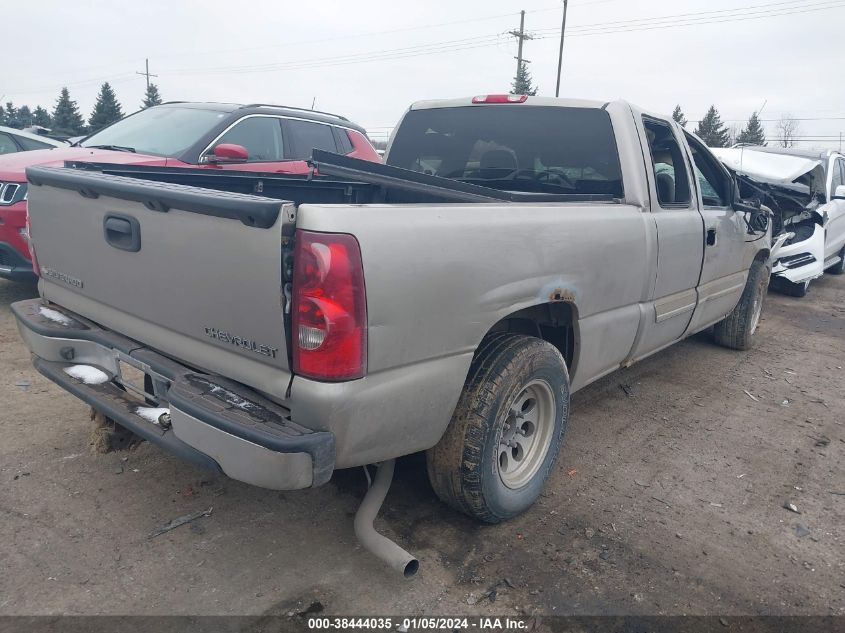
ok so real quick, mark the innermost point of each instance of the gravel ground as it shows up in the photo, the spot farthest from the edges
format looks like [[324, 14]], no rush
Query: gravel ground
[[667, 499]]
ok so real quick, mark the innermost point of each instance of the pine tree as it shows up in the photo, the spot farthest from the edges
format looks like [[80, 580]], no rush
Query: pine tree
[[41, 117], [11, 118], [106, 109], [24, 116], [753, 133], [711, 130], [66, 117], [2, 115], [151, 97], [678, 115], [522, 82]]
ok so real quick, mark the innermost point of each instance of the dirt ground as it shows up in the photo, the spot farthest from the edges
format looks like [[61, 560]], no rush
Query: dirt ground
[[667, 499]]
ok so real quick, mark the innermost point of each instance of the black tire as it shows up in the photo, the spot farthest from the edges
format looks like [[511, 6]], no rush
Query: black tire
[[791, 288], [838, 268], [737, 329], [465, 467]]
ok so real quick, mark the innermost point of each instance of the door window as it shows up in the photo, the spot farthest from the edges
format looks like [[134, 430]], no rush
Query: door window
[[260, 135], [670, 172], [307, 136], [713, 181], [28, 143], [837, 178], [7, 145]]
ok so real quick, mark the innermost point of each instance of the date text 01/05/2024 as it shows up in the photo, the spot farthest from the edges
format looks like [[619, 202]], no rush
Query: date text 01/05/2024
[[405, 624]]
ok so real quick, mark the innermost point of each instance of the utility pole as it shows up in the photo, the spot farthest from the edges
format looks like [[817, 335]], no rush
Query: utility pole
[[146, 73], [560, 53], [521, 35]]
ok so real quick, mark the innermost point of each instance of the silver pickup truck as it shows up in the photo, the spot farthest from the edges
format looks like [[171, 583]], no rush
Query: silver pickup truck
[[511, 251]]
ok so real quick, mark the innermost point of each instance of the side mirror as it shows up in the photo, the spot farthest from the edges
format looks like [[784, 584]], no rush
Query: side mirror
[[839, 193], [227, 153], [757, 216]]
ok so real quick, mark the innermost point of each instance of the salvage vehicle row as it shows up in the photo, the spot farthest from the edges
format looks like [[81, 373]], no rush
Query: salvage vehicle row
[[806, 191]]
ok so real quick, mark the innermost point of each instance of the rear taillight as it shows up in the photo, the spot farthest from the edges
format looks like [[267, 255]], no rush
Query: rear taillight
[[329, 307], [31, 246], [500, 99]]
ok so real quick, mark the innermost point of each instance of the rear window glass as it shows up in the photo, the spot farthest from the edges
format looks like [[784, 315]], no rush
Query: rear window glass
[[513, 148], [309, 136]]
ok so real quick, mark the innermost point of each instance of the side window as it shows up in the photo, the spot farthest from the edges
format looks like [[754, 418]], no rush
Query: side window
[[341, 136], [7, 145], [28, 143], [670, 172], [837, 178], [306, 136], [714, 183], [260, 135]]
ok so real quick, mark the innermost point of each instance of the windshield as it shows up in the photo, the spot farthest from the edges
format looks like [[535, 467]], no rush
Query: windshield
[[510, 147], [162, 131]]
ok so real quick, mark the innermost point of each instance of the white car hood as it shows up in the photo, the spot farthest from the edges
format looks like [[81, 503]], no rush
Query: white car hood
[[773, 168]]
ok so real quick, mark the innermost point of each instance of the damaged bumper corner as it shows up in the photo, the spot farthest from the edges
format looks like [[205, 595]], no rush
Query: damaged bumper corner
[[213, 422], [800, 261]]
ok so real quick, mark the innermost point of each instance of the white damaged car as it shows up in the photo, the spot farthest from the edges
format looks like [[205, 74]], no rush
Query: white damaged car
[[806, 191]]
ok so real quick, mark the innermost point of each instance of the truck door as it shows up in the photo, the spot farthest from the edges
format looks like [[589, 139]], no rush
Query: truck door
[[679, 238], [724, 267]]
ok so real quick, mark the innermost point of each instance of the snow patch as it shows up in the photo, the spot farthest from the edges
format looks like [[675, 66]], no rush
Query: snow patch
[[55, 316], [87, 374], [152, 414]]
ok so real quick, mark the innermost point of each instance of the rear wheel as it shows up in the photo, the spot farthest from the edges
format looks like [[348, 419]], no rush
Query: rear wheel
[[738, 328], [507, 429]]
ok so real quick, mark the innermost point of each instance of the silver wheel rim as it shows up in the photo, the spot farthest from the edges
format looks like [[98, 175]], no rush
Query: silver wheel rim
[[756, 310], [526, 434]]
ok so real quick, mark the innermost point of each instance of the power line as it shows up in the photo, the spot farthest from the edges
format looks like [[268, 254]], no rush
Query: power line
[[642, 24], [494, 39], [662, 24], [715, 13]]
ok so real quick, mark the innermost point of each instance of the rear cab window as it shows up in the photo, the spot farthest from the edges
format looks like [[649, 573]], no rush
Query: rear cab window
[[535, 149]]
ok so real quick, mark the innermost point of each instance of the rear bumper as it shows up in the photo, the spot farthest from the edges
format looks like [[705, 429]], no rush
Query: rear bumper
[[212, 422], [13, 265]]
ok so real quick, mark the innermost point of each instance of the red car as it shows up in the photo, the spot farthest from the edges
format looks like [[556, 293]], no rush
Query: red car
[[257, 137]]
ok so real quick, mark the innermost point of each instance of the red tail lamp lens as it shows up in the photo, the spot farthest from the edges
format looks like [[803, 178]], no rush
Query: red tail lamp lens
[[329, 307]]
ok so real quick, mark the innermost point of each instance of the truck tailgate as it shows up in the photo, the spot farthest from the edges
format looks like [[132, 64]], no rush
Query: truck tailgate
[[192, 272]]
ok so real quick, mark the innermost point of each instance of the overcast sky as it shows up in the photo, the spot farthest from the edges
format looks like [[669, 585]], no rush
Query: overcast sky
[[369, 60]]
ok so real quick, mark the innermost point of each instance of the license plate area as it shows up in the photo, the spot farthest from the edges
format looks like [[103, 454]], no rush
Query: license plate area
[[132, 375]]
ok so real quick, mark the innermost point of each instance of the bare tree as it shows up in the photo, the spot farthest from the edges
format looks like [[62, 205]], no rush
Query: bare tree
[[787, 131]]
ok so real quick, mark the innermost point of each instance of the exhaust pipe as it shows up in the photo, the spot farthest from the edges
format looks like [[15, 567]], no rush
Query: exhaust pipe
[[381, 546]]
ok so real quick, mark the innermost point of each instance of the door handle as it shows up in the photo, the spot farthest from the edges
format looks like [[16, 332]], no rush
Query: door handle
[[122, 232], [711, 237]]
